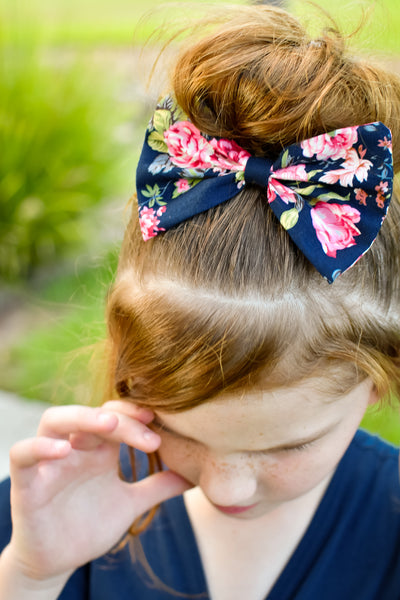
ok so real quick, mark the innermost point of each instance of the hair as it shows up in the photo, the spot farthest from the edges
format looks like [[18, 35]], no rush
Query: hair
[[225, 302]]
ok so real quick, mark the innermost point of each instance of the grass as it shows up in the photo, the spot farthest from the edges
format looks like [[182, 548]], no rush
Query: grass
[[50, 361]]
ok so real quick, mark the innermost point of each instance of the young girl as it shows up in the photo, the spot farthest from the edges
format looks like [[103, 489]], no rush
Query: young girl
[[250, 326]]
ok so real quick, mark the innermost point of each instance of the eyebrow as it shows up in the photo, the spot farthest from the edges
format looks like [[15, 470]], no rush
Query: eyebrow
[[288, 446]]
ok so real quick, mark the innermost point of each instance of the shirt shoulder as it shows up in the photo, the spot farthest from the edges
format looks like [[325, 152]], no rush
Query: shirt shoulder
[[352, 546]]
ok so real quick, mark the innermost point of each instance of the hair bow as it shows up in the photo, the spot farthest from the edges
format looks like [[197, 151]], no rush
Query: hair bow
[[330, 192]]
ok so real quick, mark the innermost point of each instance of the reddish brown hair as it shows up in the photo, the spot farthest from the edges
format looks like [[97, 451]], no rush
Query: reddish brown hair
[[225, 301]]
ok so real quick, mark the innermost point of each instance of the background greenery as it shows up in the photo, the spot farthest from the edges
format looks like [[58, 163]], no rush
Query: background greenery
[[126, 22], [72, 114]]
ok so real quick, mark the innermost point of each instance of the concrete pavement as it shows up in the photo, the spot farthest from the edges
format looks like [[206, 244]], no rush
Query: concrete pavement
[[18, 419]]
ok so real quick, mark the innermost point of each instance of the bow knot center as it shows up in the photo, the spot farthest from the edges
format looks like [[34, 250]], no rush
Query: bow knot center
[[257, 171]]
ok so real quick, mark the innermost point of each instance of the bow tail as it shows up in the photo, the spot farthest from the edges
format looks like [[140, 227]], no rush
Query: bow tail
[[331, 231]]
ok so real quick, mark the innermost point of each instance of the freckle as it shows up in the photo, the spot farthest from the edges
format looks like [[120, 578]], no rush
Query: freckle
[[252, 467]]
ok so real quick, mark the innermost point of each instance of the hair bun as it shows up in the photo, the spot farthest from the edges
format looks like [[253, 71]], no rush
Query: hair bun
[[262, 81]]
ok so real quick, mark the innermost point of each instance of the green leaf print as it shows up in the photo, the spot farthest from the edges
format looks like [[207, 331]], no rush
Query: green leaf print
[[149, 192], [332, 196], [311, 174], [285, 159], [289, 218], [157, 142], [162, 121], [239, 176], [177, 114], [305, 191]]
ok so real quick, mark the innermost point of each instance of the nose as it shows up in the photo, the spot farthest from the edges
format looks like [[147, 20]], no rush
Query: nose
[[228, 483]]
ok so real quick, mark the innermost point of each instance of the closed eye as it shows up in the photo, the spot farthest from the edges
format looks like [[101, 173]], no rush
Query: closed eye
[[298, 448], [286, 449], [301, 446]]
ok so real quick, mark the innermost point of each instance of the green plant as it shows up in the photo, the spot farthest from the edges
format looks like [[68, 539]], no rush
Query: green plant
[[59, 155], [64, 321]]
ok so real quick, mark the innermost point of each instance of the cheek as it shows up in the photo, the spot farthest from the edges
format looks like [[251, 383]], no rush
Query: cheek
[[181, 457], [288, 478], [295, 474]]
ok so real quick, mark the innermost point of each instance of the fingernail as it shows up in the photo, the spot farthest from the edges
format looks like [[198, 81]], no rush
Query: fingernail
[[150, 435], [61, 445], [105, 417]]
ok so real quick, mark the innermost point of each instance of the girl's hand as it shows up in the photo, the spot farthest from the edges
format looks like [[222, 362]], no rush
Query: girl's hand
[[69, 505]]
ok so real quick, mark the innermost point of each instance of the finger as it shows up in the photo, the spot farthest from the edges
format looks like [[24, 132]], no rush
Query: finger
[[145, 415], [155, 489], [63, 421], [27, 453], [135, 434]]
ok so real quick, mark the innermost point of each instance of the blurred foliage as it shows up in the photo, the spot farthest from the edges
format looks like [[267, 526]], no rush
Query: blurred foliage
[[59, 155], [126, 22], [373, 25], [111, 22], [383, 419], [55, 359]]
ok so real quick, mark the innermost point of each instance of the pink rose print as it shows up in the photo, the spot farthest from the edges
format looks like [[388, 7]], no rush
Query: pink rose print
[[293, 173], [276, 188], [334, 226], [334, 147], [187, 147], [148, 221], [354, 166], [229, 155], [182, 185]]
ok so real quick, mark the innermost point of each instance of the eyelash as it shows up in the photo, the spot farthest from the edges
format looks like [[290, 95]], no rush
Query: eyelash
[[300, 448]]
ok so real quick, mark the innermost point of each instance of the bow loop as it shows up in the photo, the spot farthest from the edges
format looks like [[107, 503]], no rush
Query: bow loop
[[330, 192]]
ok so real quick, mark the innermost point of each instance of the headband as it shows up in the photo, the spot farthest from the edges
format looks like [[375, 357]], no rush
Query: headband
[[330, 192]]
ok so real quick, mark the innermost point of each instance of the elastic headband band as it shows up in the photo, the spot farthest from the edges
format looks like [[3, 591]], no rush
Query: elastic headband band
[[330, 192]]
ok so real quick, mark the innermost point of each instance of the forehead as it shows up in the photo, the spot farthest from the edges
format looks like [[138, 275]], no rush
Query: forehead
[[270, 417]]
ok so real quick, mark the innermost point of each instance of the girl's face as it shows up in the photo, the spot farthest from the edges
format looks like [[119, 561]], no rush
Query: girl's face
[[250, 453]]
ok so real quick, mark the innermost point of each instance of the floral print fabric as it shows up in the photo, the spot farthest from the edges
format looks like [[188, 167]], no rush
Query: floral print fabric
[[330, 192]]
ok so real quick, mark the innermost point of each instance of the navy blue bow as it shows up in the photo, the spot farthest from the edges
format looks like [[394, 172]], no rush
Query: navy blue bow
[[330, 192]]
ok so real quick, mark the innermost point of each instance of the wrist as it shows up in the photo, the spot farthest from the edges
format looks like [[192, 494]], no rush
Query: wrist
[[16, 584]]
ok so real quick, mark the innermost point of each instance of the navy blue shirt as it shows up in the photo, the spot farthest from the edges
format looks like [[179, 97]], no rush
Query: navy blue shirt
[[350, 551]]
